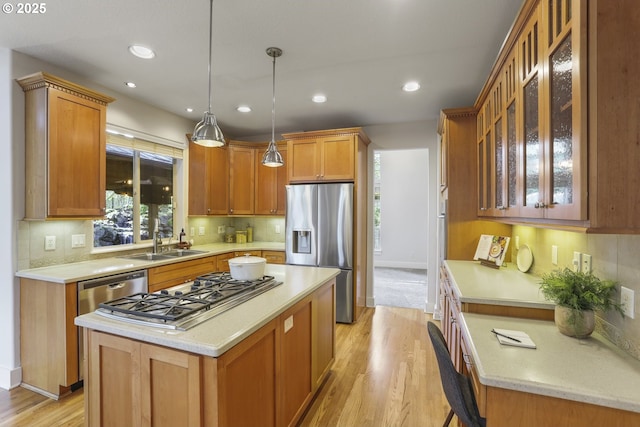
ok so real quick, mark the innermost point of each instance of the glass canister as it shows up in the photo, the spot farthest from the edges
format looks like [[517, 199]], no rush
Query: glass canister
[[241, 236], [249, 234]]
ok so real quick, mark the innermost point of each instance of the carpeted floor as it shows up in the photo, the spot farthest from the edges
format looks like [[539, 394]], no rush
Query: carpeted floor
[[400, 287]]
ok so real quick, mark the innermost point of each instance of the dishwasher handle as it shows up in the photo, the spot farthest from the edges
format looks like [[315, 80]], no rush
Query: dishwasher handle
[[112, 280]]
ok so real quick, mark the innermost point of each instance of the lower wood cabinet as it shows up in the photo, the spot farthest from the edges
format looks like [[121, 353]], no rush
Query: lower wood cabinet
[[165, 276], [134, 383], [274, 257], [268, 379]]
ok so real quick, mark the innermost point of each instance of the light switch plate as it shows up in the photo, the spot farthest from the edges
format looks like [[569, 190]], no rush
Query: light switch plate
[[278, 229], [221, 229], [554, 255], [200, 231], [77, 240], [586, 263]]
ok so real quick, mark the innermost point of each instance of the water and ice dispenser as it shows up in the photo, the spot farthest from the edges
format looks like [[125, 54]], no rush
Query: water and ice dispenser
[[302, 241]]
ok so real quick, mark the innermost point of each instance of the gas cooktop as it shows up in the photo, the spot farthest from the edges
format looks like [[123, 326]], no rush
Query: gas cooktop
[[187, 305]]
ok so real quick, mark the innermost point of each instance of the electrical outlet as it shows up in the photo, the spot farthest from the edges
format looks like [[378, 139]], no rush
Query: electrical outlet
[[49, 243], [277, 229], [554, 255], [577, 261], [221, 229], [586, 263], [192, 231], [200, 231], [627, 300], [517, 242]]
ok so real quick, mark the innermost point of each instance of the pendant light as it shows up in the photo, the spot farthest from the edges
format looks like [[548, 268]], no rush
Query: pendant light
[[272, 156], [207, 133]]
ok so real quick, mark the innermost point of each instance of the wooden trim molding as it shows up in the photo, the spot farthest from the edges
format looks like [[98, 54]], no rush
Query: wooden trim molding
[[42, 79]]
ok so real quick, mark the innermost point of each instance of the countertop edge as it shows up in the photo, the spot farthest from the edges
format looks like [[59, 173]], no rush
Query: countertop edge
[[540, 388], [123, 265], [263, 313]]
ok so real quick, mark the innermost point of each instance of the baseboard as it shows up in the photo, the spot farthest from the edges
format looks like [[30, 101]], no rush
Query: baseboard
[[10, 378], [400, 264]]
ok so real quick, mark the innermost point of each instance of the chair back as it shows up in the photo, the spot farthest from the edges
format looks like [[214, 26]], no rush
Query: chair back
[[457, 387]]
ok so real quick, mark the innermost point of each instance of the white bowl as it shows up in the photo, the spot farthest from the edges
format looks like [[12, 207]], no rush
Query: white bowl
[[247, 267]]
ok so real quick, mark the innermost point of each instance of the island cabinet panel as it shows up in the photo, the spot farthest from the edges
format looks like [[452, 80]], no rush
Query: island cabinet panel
[[323, 347], [296, 385], [133, 383], [65, 148], [242, 382], [165, 276]]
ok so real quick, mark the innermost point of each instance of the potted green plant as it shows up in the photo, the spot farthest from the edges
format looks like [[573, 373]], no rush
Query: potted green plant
[[577, 295]]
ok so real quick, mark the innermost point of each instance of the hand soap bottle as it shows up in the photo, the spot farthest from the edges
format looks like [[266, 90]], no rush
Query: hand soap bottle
[[182, 236]]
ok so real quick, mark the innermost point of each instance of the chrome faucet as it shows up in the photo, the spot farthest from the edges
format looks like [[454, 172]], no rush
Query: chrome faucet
[[157, 240]]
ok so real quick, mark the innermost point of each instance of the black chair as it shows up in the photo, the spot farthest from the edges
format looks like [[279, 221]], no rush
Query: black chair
[[457, 387]]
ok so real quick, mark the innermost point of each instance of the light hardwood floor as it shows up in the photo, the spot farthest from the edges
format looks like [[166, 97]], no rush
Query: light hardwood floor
[[385, 374]]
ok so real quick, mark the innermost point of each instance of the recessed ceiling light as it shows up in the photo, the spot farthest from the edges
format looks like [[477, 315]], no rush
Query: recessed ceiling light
[[319, 99], [189, 110], [411, 86], [243, 108], [141, 51], [130, 84]]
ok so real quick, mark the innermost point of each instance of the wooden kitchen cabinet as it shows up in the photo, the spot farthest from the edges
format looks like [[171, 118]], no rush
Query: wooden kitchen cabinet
[[223, 261], [241, 180], [323, 155], [573, 61], [165, 276], [48, 336], [270, 187], [134, 383], [208, 180], [268, 379], [65, 148], [458, 132], [274, 257]]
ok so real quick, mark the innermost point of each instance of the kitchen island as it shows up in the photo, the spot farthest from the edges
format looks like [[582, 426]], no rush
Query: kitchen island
[[259, 363], [563, 382]]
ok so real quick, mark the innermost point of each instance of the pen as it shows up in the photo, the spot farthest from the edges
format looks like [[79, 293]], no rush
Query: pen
[[506, 336]]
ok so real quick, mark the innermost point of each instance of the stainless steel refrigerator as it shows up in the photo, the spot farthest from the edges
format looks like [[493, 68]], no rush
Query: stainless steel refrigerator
[[319, 232]]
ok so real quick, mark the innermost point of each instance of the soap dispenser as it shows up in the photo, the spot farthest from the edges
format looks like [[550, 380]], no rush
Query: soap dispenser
[[182, 236]]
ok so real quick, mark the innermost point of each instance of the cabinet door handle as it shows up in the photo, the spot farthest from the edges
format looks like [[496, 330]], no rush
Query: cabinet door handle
[[467, 359]]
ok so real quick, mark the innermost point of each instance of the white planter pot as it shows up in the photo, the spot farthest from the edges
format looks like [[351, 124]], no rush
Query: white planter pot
[[574, 323], [247, 267]]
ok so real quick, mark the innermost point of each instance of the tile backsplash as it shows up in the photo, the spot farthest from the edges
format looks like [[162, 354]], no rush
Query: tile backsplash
[[614, 257], [32, 234]]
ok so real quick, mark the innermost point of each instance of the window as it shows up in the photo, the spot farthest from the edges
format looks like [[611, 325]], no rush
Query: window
[[377, 247], [139, 189]]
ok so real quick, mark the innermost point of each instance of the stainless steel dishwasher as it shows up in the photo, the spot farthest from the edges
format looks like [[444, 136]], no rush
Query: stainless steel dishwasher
[[92, 292]]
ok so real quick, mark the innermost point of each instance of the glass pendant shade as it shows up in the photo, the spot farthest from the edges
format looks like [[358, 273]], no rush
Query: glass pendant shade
[[207, 133], [272, 156]]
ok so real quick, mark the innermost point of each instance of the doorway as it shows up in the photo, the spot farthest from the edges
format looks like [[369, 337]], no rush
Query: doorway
[[401, 243]]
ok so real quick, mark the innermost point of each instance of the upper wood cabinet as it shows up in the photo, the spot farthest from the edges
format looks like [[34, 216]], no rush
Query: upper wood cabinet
[[270, 187], [241, 180], [328, 155], [65, 148], [208, 180], [575, 161]]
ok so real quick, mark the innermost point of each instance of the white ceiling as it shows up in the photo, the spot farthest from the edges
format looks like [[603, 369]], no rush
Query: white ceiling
[[357, 52]]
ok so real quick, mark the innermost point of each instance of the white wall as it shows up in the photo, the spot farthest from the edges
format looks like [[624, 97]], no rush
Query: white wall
[[404, 206], [410, 136]]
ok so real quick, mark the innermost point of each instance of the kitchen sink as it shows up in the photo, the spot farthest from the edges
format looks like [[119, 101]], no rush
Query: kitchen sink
[[175, 253], [147, 256], [182, 252]]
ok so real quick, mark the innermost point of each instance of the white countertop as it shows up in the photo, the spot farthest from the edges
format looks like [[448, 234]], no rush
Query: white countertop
[[475, 283], [72, 272], [219, 334], [588, 370]]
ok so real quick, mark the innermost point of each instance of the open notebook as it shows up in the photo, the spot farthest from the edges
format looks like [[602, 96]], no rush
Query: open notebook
[[523, 339]]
